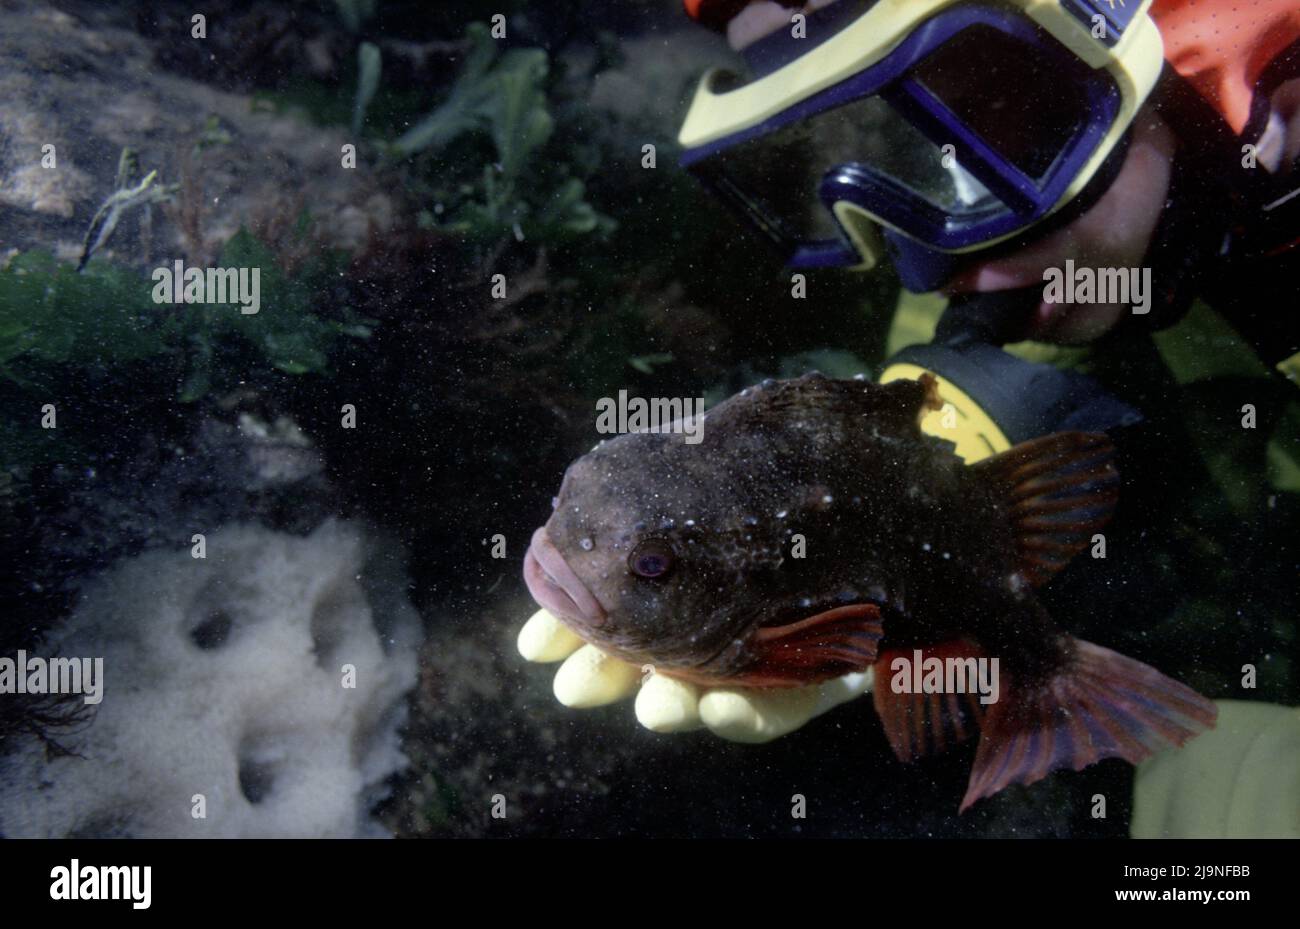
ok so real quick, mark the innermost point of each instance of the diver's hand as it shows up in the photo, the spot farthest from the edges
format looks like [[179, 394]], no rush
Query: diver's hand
[[589, 677]]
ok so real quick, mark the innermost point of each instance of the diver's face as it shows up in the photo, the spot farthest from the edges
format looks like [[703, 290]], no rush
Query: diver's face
[[1114, 233]]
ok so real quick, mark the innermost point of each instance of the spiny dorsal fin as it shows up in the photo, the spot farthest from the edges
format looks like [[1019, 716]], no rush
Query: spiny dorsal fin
[[1057, 491]]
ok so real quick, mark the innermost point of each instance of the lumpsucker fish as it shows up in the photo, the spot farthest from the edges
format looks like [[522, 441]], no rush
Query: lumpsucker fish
[[816, 531]]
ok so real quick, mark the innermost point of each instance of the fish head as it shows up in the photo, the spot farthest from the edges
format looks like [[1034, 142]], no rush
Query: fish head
[[623, 561]]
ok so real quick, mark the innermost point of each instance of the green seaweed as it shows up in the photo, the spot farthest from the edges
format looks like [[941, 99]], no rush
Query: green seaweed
[[460, 111], [286, 333], [369, 64], [355, 13], [503, 98], [646, 364], [60, 329], [51, 315], [128, 194]]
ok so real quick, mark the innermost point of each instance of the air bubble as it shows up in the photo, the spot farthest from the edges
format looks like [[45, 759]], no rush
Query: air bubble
[[586, 545], [782, 514]]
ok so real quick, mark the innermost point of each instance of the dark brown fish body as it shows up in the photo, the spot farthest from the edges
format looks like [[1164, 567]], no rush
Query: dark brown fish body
[[815, 529], [887, 515]]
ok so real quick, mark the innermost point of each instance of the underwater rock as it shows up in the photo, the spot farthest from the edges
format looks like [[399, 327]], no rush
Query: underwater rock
[[225, 679], [1241, 780], [80, 78], [241, 472]]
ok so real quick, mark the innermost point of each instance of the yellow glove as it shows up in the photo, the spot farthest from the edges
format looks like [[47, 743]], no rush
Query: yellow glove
[[589, 677]]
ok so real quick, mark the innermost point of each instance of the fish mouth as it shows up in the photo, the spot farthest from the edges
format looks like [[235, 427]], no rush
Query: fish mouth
[[554, 585]]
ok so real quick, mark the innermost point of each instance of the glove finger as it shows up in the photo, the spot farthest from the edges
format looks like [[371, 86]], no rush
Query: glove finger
[[843, 689], [743, 715], [667, 705], [590, 678], [545, 639]]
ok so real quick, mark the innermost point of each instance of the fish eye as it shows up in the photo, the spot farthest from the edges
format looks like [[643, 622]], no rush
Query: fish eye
[[651, 559]]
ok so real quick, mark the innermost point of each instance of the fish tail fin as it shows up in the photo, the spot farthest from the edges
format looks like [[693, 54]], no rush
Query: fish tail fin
[[1098, 704]]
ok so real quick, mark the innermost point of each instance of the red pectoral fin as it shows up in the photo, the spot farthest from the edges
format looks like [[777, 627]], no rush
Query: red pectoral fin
[[818, 648]]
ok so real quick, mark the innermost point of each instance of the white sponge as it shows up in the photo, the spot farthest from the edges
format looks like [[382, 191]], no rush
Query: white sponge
[[224, 693]]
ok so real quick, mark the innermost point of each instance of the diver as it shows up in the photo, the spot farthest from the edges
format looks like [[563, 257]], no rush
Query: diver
[[978, 148]]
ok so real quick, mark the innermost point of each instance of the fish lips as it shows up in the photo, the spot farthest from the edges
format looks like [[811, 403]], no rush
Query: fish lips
[[554, 585]]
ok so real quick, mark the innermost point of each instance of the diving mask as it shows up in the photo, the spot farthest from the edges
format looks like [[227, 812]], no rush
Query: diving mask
[[952, 126]]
